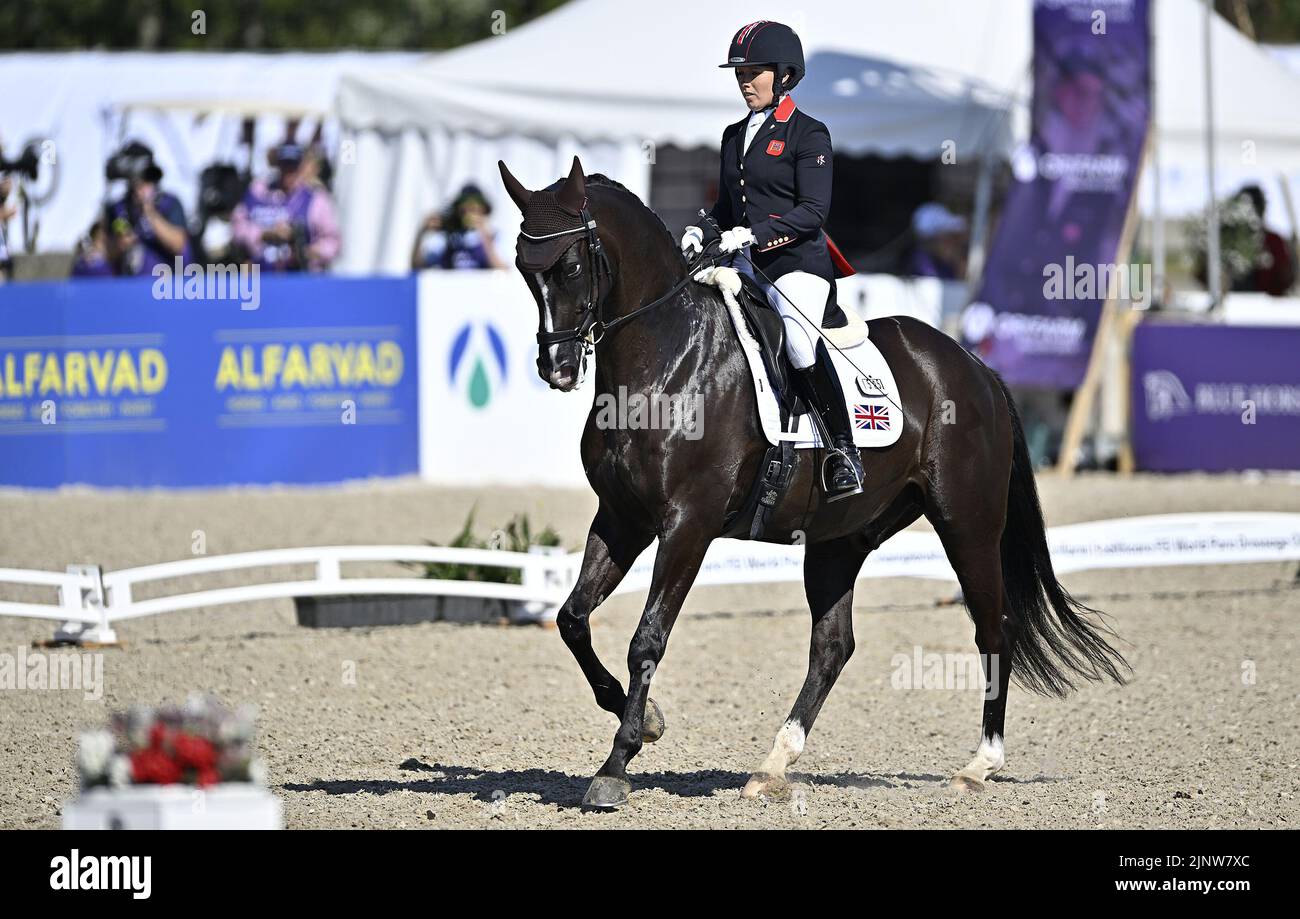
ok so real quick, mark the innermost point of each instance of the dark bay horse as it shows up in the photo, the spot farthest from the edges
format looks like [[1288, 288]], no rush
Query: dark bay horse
[[593, 255]]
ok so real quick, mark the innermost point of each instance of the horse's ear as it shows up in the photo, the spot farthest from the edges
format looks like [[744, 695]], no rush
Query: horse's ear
[[574, 193], [518, 194]]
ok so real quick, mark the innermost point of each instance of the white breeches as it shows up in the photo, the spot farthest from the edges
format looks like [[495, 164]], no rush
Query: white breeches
[[802, 325], [809, 293]]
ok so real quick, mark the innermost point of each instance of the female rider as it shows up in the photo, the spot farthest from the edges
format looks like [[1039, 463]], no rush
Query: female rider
[[774, 194]]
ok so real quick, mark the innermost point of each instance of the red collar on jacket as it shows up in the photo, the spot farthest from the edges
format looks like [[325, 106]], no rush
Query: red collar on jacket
[[785, 109]]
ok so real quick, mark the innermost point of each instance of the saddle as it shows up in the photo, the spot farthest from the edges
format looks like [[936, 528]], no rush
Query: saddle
[[768, 328]]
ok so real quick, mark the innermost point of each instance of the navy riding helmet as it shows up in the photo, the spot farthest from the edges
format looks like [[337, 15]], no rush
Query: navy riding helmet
[[768, 43]]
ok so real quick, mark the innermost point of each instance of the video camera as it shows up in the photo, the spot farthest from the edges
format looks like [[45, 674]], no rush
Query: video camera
[[134, 161], [27, 165]]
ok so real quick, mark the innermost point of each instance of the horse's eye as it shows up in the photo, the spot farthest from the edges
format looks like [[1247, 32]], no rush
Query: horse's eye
[[574, 270]]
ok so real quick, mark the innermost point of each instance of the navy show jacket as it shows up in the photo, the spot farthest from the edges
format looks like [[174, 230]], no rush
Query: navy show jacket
[[781, 189]]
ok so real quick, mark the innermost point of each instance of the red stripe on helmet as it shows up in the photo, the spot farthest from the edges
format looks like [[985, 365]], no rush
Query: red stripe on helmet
[[740, 36]]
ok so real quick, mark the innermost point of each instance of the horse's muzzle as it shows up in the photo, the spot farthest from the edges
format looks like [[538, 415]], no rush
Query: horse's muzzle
[[564, 378]]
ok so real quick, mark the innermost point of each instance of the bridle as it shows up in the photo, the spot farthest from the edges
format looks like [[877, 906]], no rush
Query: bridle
[[592, 326]]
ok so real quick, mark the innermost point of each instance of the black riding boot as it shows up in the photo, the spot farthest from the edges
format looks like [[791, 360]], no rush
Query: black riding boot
[[842, 473]]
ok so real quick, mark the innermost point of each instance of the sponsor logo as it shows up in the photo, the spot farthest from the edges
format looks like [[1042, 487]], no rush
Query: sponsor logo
[[1031, 333], [1167, 398], [1165, 395], [476, 363]]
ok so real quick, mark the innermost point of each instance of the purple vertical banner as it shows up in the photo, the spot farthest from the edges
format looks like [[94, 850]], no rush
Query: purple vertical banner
[[1052, 259]]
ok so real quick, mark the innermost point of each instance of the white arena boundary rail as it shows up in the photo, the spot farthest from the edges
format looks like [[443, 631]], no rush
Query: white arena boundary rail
[[90, 601]]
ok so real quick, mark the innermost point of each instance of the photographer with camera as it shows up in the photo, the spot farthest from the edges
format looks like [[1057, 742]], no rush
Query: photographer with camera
[[7, 211], [288, 224], [460, 237], [146, 225]]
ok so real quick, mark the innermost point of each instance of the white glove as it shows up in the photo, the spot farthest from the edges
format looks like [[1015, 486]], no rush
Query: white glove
[[737, 238], [692, 241]]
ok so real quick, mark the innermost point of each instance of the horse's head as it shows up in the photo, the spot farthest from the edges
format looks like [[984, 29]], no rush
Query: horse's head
[[560, 255]]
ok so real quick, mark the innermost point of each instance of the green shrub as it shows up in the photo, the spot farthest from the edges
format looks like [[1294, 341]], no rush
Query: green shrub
[[515, 536]]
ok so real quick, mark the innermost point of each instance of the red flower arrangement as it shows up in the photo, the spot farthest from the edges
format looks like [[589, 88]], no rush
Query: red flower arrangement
[[202, 743]]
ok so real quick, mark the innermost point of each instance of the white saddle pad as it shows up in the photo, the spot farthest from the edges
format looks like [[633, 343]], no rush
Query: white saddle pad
[[868, 384]]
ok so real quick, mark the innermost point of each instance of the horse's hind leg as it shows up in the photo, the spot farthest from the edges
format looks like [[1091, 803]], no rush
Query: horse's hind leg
[[977, 559], [830, 570], [611, 550]]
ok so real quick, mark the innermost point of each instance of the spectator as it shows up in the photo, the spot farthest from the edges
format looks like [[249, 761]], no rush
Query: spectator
[[460, 238], [7, 211], [146, 226], [289, 224], [939, 249], [1274, 268], [92, 255]]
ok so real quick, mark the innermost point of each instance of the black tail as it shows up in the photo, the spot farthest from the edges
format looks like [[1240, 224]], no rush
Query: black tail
[[1054, 639]]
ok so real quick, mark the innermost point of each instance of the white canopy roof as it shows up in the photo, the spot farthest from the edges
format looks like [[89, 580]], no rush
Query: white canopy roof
[[600, 70], [889, 78], [188, 106]]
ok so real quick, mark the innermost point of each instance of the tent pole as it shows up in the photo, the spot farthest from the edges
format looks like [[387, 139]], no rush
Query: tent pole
[[1156, 296], [1214, 266], [978, 248]]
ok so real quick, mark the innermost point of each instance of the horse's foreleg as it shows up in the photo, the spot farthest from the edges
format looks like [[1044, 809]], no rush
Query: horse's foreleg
[[830, 570], [681, 551], [611, 551]]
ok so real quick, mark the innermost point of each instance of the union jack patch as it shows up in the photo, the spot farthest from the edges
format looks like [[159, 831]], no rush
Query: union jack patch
[[871, 417], [775, 147]]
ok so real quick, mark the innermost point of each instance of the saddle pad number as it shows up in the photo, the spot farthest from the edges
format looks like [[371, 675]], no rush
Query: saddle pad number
[[775, 147]]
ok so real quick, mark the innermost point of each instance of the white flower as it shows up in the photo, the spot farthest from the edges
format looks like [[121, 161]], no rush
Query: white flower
[[196, 705], [119, 771], [94, 750]]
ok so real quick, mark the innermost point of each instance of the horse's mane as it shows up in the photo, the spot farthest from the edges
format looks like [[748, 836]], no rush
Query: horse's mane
[[600, 180]]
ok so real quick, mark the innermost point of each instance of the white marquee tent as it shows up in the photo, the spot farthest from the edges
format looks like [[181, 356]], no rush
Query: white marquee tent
[[611, 81], [186, 105]]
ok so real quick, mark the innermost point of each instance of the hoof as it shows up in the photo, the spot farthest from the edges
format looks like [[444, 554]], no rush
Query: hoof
[[607, 793], [967, 783], [652, 726], [763, 785]]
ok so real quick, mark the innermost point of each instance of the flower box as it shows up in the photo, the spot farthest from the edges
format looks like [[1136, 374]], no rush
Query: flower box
[[352, 612], [226, 806]]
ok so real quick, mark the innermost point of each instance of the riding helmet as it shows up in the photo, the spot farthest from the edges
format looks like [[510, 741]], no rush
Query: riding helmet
[[767, 42]]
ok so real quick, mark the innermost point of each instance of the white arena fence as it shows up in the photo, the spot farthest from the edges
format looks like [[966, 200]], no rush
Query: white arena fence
[[90, 602]]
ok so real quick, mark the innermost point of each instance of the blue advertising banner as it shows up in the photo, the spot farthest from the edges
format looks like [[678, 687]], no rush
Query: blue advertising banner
[[106, 382], [1215, 397], [1051, 266]]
